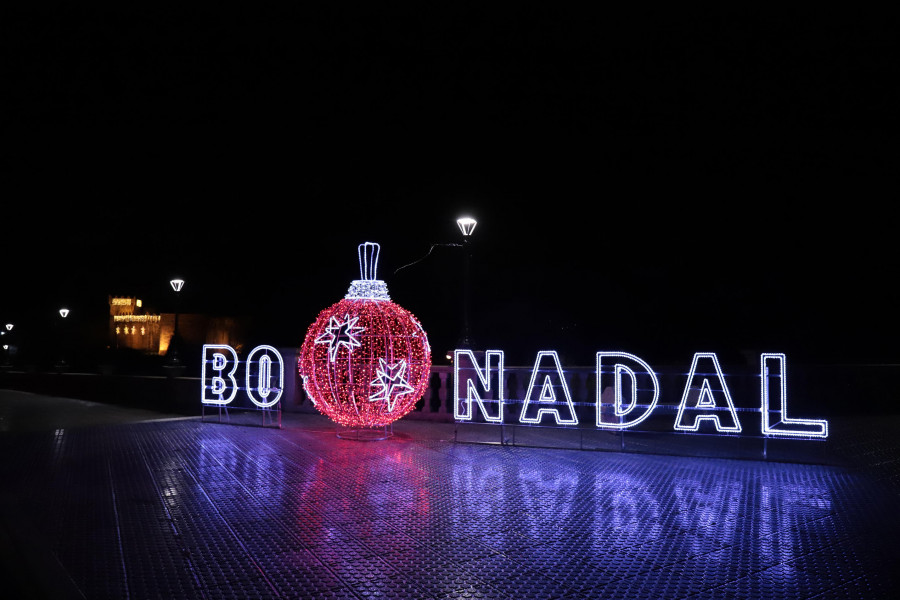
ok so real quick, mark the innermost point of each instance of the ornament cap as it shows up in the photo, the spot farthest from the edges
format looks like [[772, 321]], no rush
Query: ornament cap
[[368, 286]]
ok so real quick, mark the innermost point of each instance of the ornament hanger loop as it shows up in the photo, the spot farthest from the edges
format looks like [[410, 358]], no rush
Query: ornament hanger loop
[[368, 261], [368, 286]]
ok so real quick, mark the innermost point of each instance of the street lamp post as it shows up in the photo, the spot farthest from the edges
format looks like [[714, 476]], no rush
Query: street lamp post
[[62, 364], [174, 359], [7, 346], [466, 226]]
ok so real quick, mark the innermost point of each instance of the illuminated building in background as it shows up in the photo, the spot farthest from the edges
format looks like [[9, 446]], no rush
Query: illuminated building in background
[[132, 326]]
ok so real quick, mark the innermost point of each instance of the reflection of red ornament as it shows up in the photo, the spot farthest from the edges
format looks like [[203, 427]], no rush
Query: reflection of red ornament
[[365, 361]]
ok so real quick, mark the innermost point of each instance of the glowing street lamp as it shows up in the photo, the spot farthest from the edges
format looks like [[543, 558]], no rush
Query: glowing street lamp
[[466, 226]]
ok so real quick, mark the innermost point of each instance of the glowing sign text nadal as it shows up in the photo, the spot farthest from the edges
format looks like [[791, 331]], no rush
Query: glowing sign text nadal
[[547, 397]]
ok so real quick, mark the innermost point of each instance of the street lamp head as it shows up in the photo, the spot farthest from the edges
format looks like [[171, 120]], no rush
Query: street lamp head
[[9, 326], [466, 225], [177, 284], [64, 312]]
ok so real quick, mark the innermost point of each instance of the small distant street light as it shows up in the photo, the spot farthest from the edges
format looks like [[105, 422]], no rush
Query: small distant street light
[[64, 312], [466, 226], [174, 359]]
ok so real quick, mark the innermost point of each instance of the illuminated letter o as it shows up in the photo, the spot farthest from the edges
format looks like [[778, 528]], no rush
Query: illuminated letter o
[[263, 376]]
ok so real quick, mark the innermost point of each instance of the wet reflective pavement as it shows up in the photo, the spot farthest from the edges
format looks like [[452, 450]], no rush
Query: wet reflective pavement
[[181, 508]]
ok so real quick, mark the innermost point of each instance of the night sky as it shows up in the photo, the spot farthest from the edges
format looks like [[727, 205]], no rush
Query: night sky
[[656, 182]]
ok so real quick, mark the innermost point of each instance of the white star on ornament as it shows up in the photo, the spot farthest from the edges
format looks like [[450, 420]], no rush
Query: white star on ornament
[[392, 381], [339, 334]]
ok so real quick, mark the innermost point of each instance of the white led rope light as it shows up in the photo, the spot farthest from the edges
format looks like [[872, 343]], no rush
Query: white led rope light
[[391, 379], [618, 370], [218, 363], [818, 428], [547, 399], [264, 376], [706, 401], [462, 411]]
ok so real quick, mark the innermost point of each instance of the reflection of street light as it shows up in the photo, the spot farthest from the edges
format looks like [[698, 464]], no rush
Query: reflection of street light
[[466, 226], [174, 360]]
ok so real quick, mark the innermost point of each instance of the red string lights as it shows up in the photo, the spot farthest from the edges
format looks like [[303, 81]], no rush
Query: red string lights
[[365, 361]]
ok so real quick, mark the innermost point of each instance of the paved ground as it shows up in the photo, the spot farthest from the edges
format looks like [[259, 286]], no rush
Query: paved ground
[[99, 502]]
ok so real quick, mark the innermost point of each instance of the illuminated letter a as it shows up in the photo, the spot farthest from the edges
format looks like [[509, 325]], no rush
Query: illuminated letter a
[[701, 402], [547, 401]]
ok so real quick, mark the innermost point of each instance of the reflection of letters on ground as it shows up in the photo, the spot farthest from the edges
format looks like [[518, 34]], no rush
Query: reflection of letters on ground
[[599, 499]]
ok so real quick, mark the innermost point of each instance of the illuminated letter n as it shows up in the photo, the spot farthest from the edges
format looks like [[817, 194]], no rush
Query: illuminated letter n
[[479, 389]]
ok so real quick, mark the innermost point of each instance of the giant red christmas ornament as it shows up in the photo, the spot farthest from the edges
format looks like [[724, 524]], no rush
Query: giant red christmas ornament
[[365, 361]]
